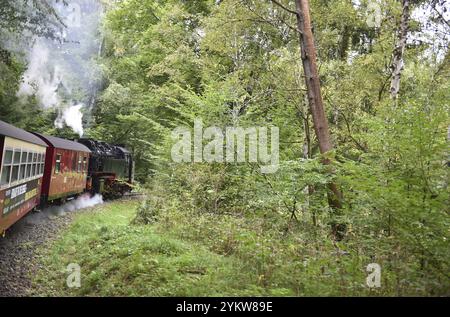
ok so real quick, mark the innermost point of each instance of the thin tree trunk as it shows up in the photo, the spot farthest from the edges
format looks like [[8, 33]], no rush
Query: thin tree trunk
[[397, 61], [315, 100], [344, 44], [307, 154]]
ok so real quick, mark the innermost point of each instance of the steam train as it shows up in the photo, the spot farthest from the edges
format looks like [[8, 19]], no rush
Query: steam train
[[38, 170]]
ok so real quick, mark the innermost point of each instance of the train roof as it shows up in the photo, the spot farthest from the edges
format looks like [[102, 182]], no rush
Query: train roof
[[105, 149], [124, 150], [63, 143], [19, 134]]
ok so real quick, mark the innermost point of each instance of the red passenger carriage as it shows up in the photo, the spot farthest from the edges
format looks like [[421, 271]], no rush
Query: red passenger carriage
[[66, 168]]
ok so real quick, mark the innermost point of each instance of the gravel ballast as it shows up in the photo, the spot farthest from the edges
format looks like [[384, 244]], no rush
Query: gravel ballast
[[18, 250]]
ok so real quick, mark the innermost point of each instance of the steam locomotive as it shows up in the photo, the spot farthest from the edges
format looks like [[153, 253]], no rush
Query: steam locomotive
[[37, 170]]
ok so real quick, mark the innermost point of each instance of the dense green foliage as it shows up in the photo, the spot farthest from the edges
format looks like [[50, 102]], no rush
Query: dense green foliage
[[238, 63]]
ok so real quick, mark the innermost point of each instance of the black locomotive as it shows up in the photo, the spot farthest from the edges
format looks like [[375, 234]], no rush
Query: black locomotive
[[111, 168]]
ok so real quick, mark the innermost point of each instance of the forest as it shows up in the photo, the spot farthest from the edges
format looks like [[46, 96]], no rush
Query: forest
[[354, 97]]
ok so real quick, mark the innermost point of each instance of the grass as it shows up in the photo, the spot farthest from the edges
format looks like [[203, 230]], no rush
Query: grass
[[183, 253], [119, 259]]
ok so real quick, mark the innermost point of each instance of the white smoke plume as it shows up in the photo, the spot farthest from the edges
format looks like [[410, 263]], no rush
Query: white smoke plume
[[48, 214], [84, 201], [64, 75], [72, 117], [39, 80]]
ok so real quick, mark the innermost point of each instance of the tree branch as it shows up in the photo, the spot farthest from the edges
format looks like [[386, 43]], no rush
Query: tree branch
[[284, 7], [433, 5]]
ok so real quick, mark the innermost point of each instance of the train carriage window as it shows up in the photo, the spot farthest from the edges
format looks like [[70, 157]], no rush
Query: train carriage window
[[15, 173], [6, 175], [34, 171], [38, 164], [23, 171], [16, 166], [17, 154], [58, 164], [23, 166], [79, 164], [41, 170], [29, 160], [85, 164], [8, 157], [42, 163], [6, 169]]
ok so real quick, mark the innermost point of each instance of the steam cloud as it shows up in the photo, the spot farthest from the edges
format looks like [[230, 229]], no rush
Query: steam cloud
[[64, 76], [84, 201], [72, 117], [39, 80]]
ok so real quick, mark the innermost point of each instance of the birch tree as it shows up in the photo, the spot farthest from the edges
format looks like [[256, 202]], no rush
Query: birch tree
[[399, 50]]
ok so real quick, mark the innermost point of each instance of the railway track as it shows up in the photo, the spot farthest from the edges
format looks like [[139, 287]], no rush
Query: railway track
[[18, 250], [134, 195]]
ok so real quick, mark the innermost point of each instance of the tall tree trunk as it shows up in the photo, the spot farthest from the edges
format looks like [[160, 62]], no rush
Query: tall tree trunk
[[397, 61], [315, 100]]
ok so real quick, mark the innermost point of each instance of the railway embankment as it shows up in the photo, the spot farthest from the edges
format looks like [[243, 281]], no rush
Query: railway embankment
[[24, 244]]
